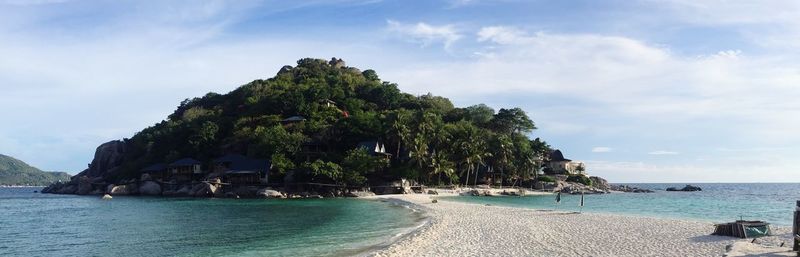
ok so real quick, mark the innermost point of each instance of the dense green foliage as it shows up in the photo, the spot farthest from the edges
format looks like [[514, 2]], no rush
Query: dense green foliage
[[546, 179], [430, 140], [580, 179], [16, 172]]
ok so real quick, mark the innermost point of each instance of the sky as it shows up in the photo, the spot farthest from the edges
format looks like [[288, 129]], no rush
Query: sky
[[639, 90]]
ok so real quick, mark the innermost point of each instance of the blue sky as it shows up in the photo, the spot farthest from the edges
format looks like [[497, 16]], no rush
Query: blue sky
[[640, 90]]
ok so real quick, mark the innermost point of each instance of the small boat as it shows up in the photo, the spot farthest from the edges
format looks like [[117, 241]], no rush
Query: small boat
[[743, 229]]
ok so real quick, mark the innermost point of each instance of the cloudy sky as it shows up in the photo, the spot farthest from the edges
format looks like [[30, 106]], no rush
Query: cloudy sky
[[641, 90]]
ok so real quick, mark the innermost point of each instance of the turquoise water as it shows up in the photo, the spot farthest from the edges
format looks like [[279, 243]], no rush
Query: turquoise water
[[771, 202], [34, 224]]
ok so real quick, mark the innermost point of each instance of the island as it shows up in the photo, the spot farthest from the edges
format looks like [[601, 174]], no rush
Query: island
[[14, 172], [323, 129]]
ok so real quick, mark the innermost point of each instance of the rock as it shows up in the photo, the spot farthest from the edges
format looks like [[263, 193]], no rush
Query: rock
[[184, 191], [245, 191], [119, 190], [434, 201], [204, 189], [359, 194], [269, 193], [150, 188], [433, 192], [106, 157], [106, 197], [687, 188], [145, 177], [84, 185], [68, 189], [629, 189], [600, 183], [231, 195]]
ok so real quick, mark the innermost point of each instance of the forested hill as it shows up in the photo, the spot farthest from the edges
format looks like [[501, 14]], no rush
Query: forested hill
[[309, 119], [19, 173]]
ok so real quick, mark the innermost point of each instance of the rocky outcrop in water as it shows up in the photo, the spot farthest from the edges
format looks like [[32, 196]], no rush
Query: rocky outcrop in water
[[600, 183], [629, 189], [687, 188]]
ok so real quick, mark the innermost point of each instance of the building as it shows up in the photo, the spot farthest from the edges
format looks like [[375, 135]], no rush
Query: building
[[156, 171], [185, 170], [240, 170], [375, 148], [558, 165], [293, 120]]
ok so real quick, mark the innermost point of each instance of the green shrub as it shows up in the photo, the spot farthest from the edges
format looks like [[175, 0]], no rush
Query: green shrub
[[580, 179], [546, 179]]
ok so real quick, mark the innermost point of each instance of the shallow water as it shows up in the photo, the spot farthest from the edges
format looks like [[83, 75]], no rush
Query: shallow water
[[34, 224], [771, 202]]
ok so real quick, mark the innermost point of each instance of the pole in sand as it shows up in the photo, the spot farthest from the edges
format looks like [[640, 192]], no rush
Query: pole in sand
[[558, 200]]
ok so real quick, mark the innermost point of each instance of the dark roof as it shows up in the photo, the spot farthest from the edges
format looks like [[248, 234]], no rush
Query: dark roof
[[155, 167], [243, 165], [294, 119], [184, 162], [556, 156], [229, 158]]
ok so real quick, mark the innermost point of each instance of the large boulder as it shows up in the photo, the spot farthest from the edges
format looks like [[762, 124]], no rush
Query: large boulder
[[84, 185], [204, 189], [184, 191], [68, 189], [599, 183], [149, 188], [119, 190], [106, 157], [145, 177], [269, 193]]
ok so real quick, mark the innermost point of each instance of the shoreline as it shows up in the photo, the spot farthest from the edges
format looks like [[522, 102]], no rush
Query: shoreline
[[468, 229]]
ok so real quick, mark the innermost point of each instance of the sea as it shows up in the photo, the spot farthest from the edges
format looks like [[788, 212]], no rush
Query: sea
[[718, 202], [35, 224]]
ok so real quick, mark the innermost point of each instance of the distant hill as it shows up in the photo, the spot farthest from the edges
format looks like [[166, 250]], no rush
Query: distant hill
[[16, 172]]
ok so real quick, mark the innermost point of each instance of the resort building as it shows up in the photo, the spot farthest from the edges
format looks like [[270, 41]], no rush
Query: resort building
[[375, 148], [185, 170], [240, 170], [558, 165], [156, 171]]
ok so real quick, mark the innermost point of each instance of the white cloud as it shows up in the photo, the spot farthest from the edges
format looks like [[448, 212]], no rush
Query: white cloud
[[601, 149], [663, 152], [424, 33]]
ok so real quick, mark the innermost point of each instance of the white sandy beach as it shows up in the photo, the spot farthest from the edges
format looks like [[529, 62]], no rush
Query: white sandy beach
[[463, 229]]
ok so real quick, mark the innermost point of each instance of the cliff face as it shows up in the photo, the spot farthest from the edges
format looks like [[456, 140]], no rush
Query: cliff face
[[107, 158]]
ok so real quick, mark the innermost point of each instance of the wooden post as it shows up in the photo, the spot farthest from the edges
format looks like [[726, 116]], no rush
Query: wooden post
[[796, 229]]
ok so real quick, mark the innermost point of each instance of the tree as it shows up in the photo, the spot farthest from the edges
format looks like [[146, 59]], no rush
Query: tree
[[327, 169], [480, 114], [358, 163], [513, 120]]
